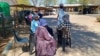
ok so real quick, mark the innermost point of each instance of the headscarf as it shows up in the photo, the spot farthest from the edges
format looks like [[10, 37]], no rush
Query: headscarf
[[61, 6], [30, 16], [43, 22], [35, 15], [66, 18], [40, 15]]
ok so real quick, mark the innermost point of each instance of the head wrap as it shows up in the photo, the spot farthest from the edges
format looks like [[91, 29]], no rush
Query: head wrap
[[61, 6], [35, 15], [43, 22], [40, 15]]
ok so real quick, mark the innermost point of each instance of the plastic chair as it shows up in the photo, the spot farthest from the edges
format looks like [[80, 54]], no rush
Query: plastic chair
[[19, 40]]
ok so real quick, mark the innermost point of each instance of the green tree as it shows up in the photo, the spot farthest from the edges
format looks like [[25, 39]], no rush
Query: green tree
[[71, 1], [50, 2], [44, 2], [84, 5], [47, 2], [84, 2], [37, 2], [54, 2]]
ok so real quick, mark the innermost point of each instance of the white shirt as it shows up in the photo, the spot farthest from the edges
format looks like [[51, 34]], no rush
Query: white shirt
[[60, 15]]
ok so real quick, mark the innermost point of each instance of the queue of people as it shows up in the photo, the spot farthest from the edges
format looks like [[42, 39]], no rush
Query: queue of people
[[45, 43], [63, 21]]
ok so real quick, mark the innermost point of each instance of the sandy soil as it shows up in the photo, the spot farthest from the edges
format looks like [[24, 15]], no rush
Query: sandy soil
[[85, 37]]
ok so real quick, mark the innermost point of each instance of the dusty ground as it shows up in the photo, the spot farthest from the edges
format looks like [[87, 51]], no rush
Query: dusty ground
[[3, 43], [85, 37]]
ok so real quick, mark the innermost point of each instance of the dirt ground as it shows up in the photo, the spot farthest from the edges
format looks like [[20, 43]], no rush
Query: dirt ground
[[3, 43], [85, 37]]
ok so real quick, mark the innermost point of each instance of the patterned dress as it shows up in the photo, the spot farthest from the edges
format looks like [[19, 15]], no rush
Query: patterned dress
[[65, 23]]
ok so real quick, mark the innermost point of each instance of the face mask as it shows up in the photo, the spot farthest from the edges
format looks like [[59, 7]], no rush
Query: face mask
[[61, 7]]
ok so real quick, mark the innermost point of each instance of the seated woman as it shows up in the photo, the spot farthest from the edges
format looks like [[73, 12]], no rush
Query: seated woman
[[43, 22], [45, 44]]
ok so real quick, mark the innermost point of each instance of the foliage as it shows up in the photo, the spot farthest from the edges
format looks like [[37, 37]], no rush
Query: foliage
[[85, 2], [44, 2], [50, 2], [71, 1], [37, 2]]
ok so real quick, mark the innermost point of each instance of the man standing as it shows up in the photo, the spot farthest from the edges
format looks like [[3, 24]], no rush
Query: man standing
[[60, 15], [63, 23]]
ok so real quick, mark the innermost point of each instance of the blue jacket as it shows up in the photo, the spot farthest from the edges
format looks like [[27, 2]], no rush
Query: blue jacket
[[34, 25]]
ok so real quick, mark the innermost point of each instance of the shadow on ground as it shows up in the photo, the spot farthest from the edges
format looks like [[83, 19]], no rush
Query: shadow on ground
[[82, 40]]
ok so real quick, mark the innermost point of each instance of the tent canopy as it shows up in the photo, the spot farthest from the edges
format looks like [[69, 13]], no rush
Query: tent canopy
[[5, 8]]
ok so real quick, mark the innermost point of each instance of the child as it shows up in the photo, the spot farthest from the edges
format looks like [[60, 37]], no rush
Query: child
[[34, 23], [34, 26]]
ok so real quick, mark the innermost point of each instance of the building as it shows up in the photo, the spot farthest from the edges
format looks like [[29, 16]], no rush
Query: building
[[92, 8]]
